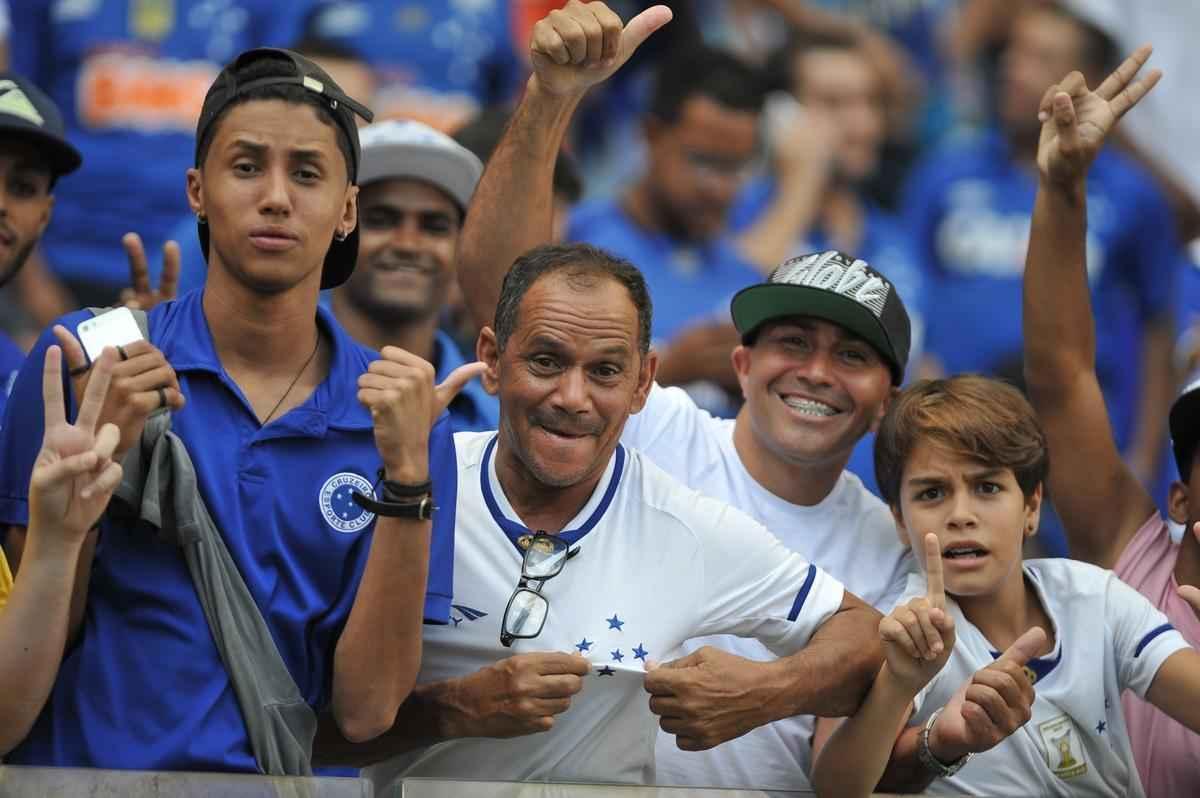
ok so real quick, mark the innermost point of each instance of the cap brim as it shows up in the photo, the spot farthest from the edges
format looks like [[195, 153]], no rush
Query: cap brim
[[754, 306], [62, 156], [339, 260]]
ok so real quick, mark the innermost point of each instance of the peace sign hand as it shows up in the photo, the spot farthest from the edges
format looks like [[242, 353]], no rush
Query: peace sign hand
[[1076, 120], [919, 636], [141, 295], [74, 474]]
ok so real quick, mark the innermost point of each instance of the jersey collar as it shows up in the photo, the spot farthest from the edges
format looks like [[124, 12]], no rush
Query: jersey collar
[[587, 518], [1039, 668]]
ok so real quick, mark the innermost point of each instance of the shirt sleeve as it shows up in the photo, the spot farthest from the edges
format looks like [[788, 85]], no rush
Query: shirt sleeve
[[23, 427], [443, 472], [1143, 639], [754, 586]]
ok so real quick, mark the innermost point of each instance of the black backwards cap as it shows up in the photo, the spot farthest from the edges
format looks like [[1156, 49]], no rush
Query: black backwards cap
[[835, 287], [1184, 423], [27, 113], [341, 257]]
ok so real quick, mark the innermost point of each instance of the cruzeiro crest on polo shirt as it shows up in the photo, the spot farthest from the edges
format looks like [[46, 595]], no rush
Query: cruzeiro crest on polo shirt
[[338, 507]]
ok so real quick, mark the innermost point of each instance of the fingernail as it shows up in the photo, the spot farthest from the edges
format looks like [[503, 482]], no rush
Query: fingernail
[[1043, 116]]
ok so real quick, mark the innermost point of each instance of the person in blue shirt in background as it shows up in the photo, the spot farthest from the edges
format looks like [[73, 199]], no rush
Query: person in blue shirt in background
[[414, 188], [826, 146], [969, 207], [34, 153], [286, 418], [436, 62], [130, 78], [701, 133]]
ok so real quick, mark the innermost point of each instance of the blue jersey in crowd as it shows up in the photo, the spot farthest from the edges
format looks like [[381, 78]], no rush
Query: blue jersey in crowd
[[887, 245], [11, 358], [437, 62], [970, 208], [689, 282], [130, 78], [144, 687]]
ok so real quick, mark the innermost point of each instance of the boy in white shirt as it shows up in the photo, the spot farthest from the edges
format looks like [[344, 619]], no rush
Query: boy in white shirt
[[962, 462]]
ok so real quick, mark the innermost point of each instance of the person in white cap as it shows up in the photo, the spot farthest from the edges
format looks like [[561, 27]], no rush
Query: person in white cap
[[415, 186]]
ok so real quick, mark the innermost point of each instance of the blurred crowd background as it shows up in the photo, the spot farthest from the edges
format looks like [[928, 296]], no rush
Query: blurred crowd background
[[745, 132]]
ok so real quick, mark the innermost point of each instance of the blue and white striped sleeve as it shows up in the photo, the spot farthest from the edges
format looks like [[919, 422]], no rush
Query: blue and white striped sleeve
[[754, 586]]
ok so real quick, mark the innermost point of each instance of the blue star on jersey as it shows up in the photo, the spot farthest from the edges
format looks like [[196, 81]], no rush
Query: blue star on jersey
[[584, 645], [640, 653], [606, 671], [617, 655], [1100, 727], [615, 622]]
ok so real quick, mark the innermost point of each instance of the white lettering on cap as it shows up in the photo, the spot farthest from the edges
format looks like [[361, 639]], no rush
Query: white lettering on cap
[[14, 102], [831, 272]]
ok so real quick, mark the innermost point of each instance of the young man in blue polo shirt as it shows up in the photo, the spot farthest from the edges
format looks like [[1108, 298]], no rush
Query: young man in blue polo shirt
[[286, 419]]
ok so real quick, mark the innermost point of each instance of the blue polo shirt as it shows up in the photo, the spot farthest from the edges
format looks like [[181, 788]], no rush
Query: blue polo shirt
[[969, 208], [129, 78], [11, 358], [689, 282], [474, 409], [144, 687]]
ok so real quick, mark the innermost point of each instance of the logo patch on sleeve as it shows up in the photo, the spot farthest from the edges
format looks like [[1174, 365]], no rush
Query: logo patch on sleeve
[[336, 500]]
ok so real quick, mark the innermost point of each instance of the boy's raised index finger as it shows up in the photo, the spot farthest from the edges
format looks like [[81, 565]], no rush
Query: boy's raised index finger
[[933, 572]]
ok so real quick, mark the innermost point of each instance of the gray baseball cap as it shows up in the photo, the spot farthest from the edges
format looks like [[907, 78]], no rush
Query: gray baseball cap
[[407, 149]]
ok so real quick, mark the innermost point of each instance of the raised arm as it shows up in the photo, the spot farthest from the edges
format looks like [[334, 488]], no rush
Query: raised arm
[[1100, 500], [379, 652], [917, 640], [572, 49], [73, 477]]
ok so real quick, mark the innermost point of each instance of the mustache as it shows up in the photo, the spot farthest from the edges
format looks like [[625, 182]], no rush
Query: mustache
[[568, 423]]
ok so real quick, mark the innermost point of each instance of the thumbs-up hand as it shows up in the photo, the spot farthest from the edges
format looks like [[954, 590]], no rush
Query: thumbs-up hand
[[582, 44], [919, 636], [996, 702], [399, 391]]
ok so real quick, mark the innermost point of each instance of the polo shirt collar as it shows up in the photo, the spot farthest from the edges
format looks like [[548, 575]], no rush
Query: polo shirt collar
[[186, 341]]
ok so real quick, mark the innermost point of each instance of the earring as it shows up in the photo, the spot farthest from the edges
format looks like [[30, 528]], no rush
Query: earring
[[340, 236], [201, 218]]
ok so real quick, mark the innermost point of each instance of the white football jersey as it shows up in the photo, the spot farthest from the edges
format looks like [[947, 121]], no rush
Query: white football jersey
[[657, 563], [850, 535], [1108, 639]]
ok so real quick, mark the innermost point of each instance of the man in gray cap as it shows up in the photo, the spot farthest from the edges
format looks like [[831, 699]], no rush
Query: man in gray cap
[[414, 187]]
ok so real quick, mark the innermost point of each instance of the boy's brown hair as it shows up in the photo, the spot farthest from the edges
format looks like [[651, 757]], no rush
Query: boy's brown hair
[[981, 418]]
